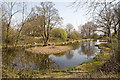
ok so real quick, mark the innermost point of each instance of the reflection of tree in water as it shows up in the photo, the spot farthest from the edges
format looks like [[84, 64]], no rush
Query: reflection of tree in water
[[88, 48], [60, 54], [11, 57], [69, 55], [44, 63], [40, 61], [75, 45], [27, 60]]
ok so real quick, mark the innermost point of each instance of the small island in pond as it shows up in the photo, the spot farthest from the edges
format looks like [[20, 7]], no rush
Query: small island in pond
[[49, 49]]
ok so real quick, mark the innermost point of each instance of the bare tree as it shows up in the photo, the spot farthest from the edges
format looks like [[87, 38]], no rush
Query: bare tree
[[7, 15], [49, 18], [105, 21], [69, 28], [88, 29], [24, 19], [104, 10]]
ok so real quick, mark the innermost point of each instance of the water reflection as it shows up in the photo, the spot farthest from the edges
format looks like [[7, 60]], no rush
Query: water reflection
[[81, 52], [23, 60], [88, 48], [69, 54]]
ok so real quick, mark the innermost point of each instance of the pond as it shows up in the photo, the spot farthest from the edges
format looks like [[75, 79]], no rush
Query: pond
[[81, 52]]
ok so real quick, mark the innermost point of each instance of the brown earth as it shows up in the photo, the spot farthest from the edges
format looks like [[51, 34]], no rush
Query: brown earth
[[49, 49]]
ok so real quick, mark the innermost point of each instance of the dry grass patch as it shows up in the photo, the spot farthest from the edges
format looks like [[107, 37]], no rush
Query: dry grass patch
[[49, 49]]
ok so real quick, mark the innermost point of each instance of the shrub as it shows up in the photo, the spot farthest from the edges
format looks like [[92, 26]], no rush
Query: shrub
[[95, 36], [101, 52], [74, 35], [59, 33]]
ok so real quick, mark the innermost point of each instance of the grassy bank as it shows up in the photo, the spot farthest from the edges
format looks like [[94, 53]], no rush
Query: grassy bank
[[50, 43], [86, 69]]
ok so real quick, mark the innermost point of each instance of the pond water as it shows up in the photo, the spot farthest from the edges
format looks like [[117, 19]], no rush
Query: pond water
[[81, 52]]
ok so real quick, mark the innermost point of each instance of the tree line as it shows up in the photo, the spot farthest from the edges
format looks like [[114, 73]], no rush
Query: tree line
[[41, 21]]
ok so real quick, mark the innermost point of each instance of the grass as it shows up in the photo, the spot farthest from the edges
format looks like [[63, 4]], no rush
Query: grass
[[40, 44], [98, 61], [84, 69]]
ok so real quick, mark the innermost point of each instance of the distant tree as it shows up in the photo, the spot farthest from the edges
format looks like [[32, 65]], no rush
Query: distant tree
[[59, 33], [95, 36], [69, 28], [88, 29], [75, 35]]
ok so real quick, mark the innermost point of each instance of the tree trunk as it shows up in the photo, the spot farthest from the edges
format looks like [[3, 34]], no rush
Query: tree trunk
[[109, 36], [45, 42], [7, 38], [118, 51]]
